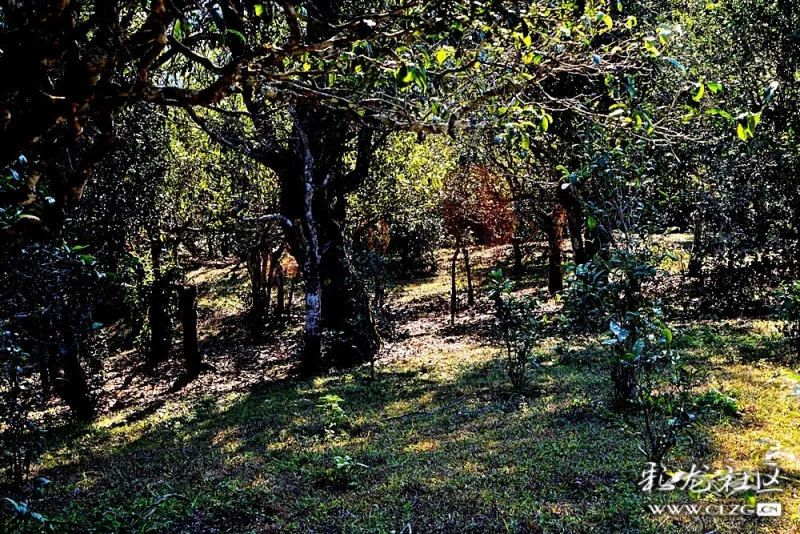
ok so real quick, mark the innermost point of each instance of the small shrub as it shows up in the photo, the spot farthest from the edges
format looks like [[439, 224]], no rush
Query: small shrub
[[622, 361], [518, 325], [789, 310], [607, 287], [714, 402], [335, 417], [585, 296], [652, 385], [21, 439], [343, 472]]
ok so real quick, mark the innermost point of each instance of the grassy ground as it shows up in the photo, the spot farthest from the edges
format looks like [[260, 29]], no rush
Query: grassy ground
[[437, 442]]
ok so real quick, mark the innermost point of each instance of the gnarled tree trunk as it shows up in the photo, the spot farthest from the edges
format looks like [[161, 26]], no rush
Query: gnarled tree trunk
[[697, 254], [313, 199], [575, 222], [554, 228], [74, 386], [254, 269], [278, 315]]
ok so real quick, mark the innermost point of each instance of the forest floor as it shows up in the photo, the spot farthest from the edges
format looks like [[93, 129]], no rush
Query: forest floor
[[436, 442]]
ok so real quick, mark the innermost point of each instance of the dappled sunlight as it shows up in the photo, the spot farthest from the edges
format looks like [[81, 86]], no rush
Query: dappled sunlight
[[438, 433]]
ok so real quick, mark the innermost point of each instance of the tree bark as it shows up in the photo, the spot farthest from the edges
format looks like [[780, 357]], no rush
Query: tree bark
[[254, 268], [555, 242], [187, 304], [313, 197], [43, 352], [516, 244], [468, 268], [280, 296], [160, 336], [312, 345], [575, 222], [453, 295], [273, 257], [290, 299], [312, 340], [74, 386], [697, 254]]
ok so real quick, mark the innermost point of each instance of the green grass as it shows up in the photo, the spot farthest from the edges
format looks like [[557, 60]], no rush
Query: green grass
[[445, 446]]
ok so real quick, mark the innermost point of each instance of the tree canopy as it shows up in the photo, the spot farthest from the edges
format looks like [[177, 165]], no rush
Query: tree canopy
[[576, 209]]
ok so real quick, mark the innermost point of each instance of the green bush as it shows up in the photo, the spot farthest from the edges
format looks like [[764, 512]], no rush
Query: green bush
[[21, 438], [520, 329], [333, 414], [652, 385], [789, 310]]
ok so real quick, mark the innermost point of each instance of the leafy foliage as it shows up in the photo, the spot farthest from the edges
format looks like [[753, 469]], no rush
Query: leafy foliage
[[21, 439], [519, 327], [652, 385]]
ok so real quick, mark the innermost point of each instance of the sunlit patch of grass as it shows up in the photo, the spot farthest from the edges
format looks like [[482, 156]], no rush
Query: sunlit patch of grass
[[223, 292], [675, 251], [424, 445], [447, 445]]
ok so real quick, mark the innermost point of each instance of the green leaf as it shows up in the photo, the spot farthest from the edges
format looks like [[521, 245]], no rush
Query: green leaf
[[591, 222], [714, 87], [741, 132], [701, 90], [239, 34], [545, 124], [420, 78], [441, 56], [618, 331], [721, 112], [650, 45], [752, 121], [404, 75], [668, 336], [755, 118], [259, 9]]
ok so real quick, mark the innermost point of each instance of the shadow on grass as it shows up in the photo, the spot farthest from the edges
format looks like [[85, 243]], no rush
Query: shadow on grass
[[461, 455], [418, 451]]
